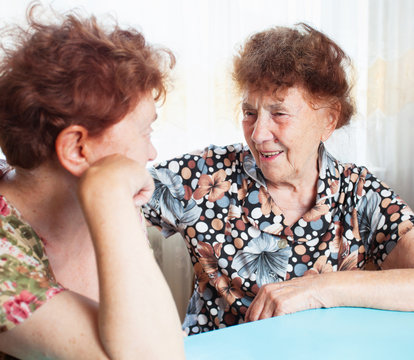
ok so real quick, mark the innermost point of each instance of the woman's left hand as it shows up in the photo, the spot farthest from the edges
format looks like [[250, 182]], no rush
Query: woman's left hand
[[287, 297]]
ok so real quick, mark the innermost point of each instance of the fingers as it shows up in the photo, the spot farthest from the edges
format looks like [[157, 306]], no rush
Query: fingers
[[265, 303], [267, 310], [277, 299], [119, 173], [144, 194], [254, 310]]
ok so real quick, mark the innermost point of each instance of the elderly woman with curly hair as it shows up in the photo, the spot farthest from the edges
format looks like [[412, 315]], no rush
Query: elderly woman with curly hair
[[275, 227], [77, 277]]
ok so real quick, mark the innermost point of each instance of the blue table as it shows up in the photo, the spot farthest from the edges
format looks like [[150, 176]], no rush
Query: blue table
[[337, 333]]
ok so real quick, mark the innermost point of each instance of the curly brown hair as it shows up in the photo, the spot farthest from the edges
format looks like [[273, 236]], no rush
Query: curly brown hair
[[283, 57], [72, 72]]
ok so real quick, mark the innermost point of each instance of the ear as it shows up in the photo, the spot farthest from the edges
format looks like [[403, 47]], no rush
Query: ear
[[71, 149], [332, 118]]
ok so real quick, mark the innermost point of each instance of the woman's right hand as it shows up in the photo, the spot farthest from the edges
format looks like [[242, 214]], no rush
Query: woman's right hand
[[134, 296], [119, 174]]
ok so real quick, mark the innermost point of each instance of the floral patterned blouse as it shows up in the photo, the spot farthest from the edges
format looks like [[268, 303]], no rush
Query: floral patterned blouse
[[237, 236], [26, 279]]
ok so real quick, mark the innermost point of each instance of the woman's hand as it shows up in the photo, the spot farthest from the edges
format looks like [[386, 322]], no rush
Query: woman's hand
[[119, 174], [287, 297], [359, 288], [136, 308]]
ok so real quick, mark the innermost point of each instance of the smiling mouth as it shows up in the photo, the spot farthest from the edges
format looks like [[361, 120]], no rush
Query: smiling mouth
[[269, 155]]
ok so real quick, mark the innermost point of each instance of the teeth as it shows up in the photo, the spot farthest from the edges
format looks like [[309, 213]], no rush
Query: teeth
[[270, 154]]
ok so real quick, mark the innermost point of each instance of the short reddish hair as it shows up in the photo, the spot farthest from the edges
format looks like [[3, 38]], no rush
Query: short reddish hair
[[74, 72], [283, 57]]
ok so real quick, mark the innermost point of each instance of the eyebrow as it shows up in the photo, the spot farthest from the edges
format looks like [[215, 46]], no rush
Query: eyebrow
[[247, 106], [272, 107], [275, 107]]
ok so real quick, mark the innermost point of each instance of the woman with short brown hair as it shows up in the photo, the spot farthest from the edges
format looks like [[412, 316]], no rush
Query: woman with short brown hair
[[77, 277], [274, 227]]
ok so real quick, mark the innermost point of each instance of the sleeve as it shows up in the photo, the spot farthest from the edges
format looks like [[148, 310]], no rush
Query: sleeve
[[26, 280], [383, 217], [172, 207]]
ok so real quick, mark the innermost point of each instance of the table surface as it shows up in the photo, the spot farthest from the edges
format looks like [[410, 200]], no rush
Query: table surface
[[336, 333]]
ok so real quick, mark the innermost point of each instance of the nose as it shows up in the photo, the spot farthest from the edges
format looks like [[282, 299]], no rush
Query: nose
[[152, 153], [261, 132]]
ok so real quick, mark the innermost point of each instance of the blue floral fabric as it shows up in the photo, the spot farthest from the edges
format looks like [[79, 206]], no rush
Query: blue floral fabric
[[237, 237]]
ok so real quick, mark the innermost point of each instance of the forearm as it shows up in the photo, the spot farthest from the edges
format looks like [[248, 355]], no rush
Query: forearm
[[136, 310], [385, 289]]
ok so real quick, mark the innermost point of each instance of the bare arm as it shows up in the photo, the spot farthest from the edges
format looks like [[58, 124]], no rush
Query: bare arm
[[136, 317], [137, 313], [390, 289]]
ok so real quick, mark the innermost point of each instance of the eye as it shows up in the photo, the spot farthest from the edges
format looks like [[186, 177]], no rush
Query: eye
[[148, 132], [249, 115], [278, 114]]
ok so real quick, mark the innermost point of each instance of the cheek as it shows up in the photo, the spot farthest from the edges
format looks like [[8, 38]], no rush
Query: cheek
[[245, 127], [301, 150], [296, 144], [297, 136], [141, 150], [103, 148], [247, 131]]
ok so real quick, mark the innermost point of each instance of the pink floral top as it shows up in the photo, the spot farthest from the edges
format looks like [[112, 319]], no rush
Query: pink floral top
[[237, 236], [26, 279]]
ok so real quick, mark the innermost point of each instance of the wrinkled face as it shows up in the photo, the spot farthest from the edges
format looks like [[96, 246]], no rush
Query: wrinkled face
[[283, 131], [132, 135]]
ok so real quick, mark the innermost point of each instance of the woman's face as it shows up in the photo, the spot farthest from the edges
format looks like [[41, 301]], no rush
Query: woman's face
[[283, 131], [132, 135]]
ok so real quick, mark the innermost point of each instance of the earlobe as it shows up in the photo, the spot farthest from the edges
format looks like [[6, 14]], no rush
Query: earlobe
[[71, 149]]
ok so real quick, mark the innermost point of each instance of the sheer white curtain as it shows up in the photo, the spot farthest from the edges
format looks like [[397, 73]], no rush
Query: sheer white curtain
[[390, 93], [202, 107]]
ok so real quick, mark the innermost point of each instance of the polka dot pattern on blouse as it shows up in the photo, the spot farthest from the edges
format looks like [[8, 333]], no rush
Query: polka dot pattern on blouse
[[237, 236]]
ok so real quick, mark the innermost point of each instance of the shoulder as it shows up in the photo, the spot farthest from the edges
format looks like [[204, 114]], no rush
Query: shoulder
[[15, 230], [347, 172], [4, 168], [19, 243], [359, 180], [26, 280], [371, 195], [356, 184], [352, 178], [191, 166], [221, 156]]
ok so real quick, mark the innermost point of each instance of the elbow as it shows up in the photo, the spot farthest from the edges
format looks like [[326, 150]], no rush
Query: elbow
[[160, 349]]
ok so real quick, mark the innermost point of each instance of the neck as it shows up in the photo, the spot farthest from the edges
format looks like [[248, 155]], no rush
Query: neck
[[46, 198], [297, 195], [292, 198]]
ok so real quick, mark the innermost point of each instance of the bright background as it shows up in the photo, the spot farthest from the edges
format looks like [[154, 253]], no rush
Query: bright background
[[203, 108], [204, 34]]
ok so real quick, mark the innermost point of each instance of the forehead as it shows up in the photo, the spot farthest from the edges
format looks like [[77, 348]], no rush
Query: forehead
[[145, 108], [276, 96]]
